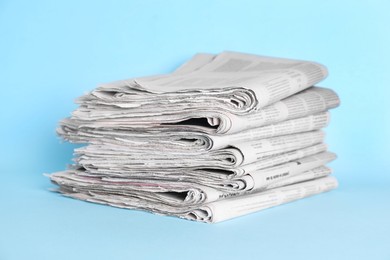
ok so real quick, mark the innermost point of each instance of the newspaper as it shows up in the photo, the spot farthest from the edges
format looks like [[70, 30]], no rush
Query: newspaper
[[235, 155], [190, 140], [212, 212], [243, 81], [212, 106], [208, 120], [270, 79], [223, 135], [211, 171], [226, 209], [176, 190]]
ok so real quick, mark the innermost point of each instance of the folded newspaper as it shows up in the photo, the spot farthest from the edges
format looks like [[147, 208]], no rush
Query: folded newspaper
[[222, 136]]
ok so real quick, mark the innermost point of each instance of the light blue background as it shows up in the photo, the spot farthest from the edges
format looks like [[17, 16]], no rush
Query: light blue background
[[53, 51]]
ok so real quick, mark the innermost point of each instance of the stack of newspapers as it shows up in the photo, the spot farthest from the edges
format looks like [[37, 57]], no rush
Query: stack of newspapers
[[222, 136]]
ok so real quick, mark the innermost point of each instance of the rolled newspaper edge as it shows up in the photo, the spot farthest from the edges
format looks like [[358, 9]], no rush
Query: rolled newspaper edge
[[242, 205]]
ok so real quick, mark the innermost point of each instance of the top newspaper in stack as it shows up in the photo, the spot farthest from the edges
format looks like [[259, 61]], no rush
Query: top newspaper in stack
[[223, 95]]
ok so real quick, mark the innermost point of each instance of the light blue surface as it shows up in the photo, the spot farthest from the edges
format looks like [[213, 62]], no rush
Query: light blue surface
[[53, 51]]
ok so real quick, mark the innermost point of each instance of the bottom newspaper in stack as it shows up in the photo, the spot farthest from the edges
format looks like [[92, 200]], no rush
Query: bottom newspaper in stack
[[212, 212], [208, 186]]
